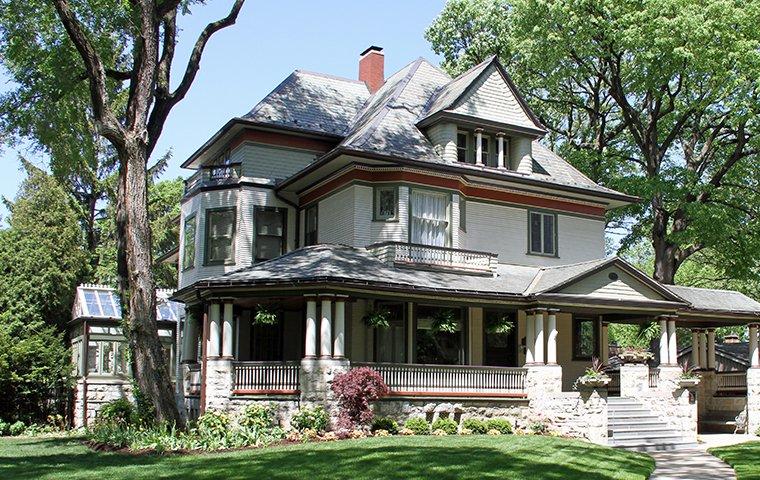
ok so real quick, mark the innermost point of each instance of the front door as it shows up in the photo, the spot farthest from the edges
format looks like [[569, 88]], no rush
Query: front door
[[499, 338]]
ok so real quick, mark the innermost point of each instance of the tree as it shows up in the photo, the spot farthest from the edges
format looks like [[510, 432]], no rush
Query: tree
[[659, 99]]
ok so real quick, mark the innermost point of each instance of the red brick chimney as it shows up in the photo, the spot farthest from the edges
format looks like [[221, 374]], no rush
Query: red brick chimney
[[372, 68]]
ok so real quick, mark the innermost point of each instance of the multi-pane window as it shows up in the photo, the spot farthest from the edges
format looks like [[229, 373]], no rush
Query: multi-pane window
[[462, 146], [188, 242], [386, 203], [107, 357], [430, 218], [542, 233], [310, 226], [585, 339], [270, 232], [220, 236]]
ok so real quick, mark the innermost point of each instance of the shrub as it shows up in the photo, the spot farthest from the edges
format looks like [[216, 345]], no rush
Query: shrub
[[310, 419], [439, 433], [257, 415], [493, 431], [475, 425], [447, 425], [119, 412], [418, 426], [381, 433], [4, 428], [503, 425], [16, 428], [213, 424], [406, 431], [465, 431], [354, 390], [539, 428], [385, 423]]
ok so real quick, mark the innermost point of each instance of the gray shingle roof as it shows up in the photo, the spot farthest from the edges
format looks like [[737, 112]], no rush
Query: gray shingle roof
[[719, 300], [550, 277]]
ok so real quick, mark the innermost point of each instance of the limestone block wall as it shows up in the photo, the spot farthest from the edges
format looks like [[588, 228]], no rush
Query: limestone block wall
[[753, 400], [284, 406], [577, 414], [316, 379], [99, 392], [401, 409], [218, 383]]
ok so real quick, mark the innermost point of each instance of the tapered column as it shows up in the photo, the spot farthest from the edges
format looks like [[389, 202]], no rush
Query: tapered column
[[702, 349], [664, 342], [339, 350], [538, 349], [227, 329], [605, 346], [325, 329], [711, 348], [672, 343], [551, 339], [212, 345], [530, 337], [694, 363], [190, 338], [500, 141], [311, 327], [479, 146], [754, 353]]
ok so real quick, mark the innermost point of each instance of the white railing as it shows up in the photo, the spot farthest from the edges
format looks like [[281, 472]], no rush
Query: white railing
[[266, 377], [731, 381], [654, 377], [454, 380], [412, 254]]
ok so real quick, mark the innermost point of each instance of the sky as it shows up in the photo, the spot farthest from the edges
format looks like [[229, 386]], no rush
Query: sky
[[244, 62]]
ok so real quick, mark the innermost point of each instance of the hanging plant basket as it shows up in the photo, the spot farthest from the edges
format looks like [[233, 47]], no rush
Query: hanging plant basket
[[378, 318], [445, 321], [502, 325], [265, 315]]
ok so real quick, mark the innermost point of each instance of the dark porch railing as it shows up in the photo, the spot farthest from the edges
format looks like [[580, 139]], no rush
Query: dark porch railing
[[731, 383], [260, 378]]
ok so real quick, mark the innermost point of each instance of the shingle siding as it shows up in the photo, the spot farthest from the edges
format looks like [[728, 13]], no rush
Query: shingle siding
[[270, 163], [335, 218]]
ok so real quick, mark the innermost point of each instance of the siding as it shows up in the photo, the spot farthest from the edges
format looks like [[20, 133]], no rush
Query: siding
[[367, 231], [335, 218], [270, 163], [444, 137], [599, 285]]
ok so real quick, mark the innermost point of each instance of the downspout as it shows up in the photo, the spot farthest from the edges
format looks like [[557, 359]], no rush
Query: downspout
[[85, 367]]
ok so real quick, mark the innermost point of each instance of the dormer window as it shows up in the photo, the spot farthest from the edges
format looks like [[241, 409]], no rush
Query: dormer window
[[462, 146]]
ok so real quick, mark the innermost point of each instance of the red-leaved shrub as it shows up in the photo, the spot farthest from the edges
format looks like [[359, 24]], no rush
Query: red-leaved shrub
[[354, 391]]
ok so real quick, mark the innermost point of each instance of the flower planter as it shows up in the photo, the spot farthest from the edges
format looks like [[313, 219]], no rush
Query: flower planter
[[594, 382], [688, 382], [635, 357]]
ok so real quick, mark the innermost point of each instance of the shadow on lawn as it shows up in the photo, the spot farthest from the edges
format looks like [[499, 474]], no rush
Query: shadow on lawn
[[350, 460]]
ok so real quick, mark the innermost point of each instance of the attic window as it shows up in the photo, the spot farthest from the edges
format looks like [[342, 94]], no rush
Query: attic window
[[462, 146]]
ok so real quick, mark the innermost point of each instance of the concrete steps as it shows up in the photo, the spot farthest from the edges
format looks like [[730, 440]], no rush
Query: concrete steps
[[633, 426]]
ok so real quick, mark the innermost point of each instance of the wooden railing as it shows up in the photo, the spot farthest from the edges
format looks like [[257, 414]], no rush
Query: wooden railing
[[217, 175], [261, 378], [654, 377], [613, 389], [194, 384], [412, 254], [731, 382], [450, 380]]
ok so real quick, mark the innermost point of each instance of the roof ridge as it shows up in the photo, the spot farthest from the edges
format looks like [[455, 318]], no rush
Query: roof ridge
[[329, 75], [602, 260]]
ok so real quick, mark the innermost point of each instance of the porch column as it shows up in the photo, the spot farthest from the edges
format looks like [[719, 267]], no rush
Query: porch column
[[227, 331], [530, 337], [190, 338], [754, 354], [664, 360], [711, 348], [605, 346], [325, 328], [311, 327], [479, 146], [212, 345], [694, 363], [702, 349], [672, 342], [500, 141], [551, 340], [538, 349], [339, 349]]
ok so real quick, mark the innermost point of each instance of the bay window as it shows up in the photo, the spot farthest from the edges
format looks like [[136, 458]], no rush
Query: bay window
[[220, 236], [270, 232], [429, 213]]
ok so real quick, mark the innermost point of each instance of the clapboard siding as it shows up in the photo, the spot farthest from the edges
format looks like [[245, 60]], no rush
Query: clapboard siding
[[444, 137], [600, 285], [270, 163], [335, 218]]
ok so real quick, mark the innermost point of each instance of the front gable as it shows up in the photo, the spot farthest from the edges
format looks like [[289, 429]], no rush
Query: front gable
[[612, 283]]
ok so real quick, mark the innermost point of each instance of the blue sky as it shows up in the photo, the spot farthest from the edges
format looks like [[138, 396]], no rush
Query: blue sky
[[243, 63]]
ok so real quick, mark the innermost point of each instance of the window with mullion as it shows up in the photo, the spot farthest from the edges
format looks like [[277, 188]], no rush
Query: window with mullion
[[270, 232], [542, 233], [220, 236]]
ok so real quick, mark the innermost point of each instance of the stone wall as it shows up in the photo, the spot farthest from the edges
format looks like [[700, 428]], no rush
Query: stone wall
[[402, 409], [284, 406], [316, 378], [577, 414], [99, 392], [218, 383], [753, 400]]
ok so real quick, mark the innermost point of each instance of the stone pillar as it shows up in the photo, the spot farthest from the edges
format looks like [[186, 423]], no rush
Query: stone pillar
[[672, 343], [605, 340], [753, 400], [315, 382], [219, 383], [530, 337], [634, 380], [311, 327], [754, 353], [711, 348], [325, 329], [542, 379], [190, 339], [479, 146], [538, 349], [694, 349], [227, 331], [339, 350], [702, 349], [212, 346], [664, 342], [500, 141], [551, 340]]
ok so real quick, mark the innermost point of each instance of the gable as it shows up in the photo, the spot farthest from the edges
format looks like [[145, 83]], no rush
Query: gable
[[491, 98], [612, 283]]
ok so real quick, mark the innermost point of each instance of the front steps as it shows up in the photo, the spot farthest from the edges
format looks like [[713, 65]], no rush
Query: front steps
[[634, 427]]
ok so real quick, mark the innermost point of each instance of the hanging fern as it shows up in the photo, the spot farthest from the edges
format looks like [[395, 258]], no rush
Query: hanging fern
[[502, 325], [445, 320], [265, 315], [378, 318]]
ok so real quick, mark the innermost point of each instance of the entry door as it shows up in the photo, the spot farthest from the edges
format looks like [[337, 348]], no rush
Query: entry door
[[499, 347]]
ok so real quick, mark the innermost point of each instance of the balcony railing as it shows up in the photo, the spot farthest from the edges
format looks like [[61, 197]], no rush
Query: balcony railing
[[262, 378], [731, 383], [450, 380], [211, 176], [412, 254]]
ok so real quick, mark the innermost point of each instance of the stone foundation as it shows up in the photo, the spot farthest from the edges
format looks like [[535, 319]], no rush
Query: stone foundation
[[316, 379], [577, 414], [402, 409], [284, 406], [99, 392], [753, 400], [218, 383]]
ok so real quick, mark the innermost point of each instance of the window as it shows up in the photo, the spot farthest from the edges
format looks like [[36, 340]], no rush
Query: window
[[486, 151], [390, 343], [107, 357], [270, 232], [542, 233], [585, 339], [385, 203], [430, 218], [499, 338], [462, 213], [188, 242], [310, 226], [220, 236], [462, 146]]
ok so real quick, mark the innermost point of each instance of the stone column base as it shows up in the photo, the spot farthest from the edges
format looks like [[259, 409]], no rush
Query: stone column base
[[316, 379], [219, 383], [634, 380], [543, 379], [753, 400]]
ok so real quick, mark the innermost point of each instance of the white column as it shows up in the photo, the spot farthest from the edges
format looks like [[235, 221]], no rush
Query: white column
[[311, 328], [212, 343], [664, 342], [190, 338], [227, 331], [754, 353], [500, 141], [605, 346], [694, 363], [711, 348], [672, 343], [339, 350], [538, 349], [479, 146], [551, 339], [530, 337], [325, 329], [702, 349]]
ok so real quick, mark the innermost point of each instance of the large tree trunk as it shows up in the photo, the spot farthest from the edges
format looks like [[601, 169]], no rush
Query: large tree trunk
[[665, 261]]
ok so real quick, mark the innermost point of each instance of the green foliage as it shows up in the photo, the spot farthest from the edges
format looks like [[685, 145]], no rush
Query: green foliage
[[118, 411], [314, 418], [418, 425], [257, 415], [265, 315], [4, 428], [213, 423], [385, 423], [448, 425], [17, 428], [503, 425], [445, 320], [475, 425], [378, 318]]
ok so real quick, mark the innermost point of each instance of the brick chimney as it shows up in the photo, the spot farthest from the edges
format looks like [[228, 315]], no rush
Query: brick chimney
[[372, 68]]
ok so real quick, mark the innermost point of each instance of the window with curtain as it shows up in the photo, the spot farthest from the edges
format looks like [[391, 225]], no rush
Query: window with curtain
[[220, 236], [429, 218], [270, 232], [188, 240]]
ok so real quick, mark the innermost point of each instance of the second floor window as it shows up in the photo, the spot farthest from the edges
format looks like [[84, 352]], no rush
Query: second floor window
[[542, 233], [311, 226], [386, 202], [220, 236], [462, 146], [430, 218], [270, 232], [188, 242]]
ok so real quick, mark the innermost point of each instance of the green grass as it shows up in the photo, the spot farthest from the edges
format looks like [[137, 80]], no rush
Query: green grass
[[439, 458], [744, 458]]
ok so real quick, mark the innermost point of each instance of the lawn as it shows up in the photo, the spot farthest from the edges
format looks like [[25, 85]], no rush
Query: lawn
[[439, 458], [744, 457]]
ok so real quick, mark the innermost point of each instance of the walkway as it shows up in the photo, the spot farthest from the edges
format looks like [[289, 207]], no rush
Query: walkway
[[696, 464]]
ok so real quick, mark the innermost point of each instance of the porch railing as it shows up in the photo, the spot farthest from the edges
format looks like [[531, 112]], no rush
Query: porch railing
[[654, 377], [731, 382], [450, 380], [216, 175], [412, 254], [194, 383], [259, 378]]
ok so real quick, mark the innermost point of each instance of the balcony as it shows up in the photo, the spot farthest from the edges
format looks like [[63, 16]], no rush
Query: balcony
[[213, 176], [415, 255]]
